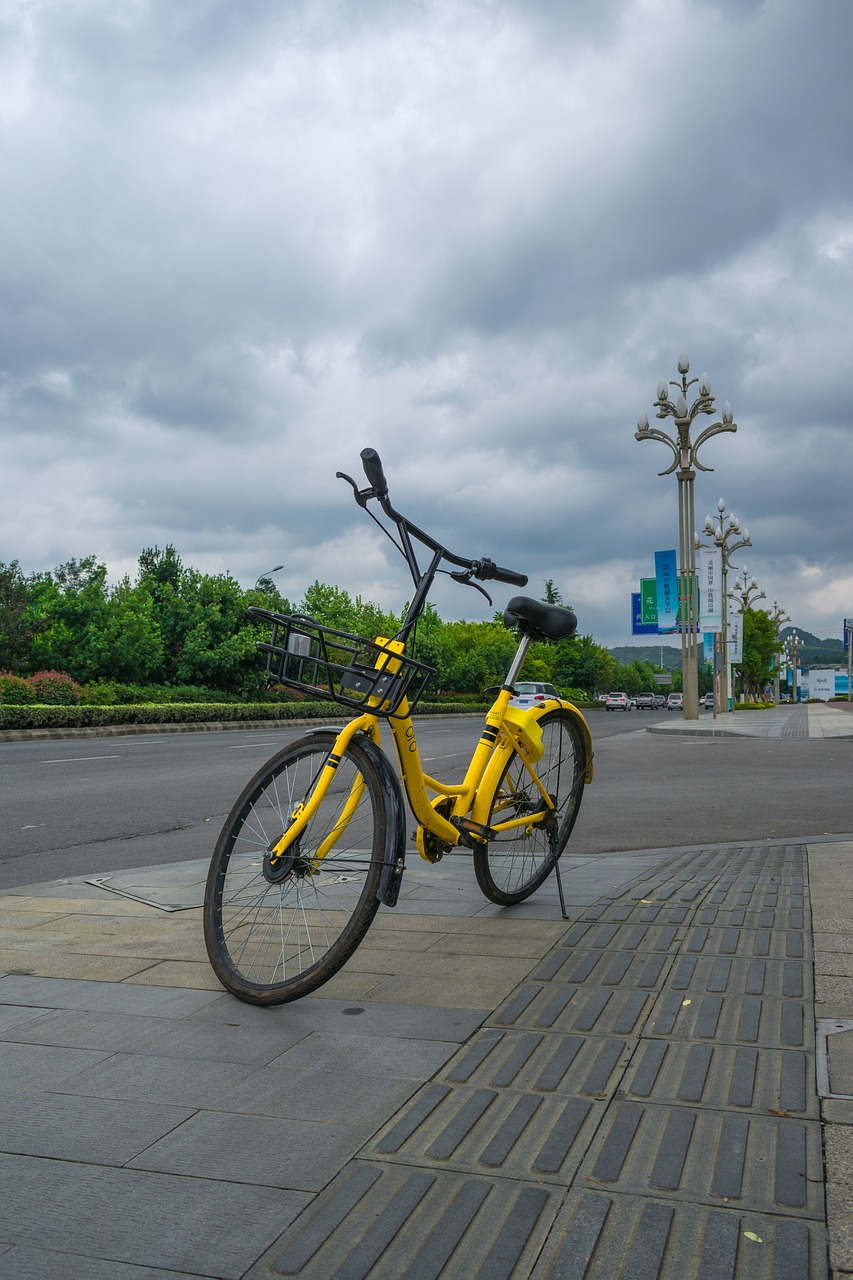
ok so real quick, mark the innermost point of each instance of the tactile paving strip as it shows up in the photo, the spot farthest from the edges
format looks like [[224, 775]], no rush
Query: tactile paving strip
[[643, 1106]]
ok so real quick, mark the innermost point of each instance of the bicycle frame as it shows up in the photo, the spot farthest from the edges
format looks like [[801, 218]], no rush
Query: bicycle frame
[[468, 804]]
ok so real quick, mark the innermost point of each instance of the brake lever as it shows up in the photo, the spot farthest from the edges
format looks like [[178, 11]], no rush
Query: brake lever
[[465, 579], [361, 495]]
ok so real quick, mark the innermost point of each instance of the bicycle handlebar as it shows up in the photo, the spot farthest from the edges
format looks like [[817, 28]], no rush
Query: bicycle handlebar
[[372, 464], [484, 569]]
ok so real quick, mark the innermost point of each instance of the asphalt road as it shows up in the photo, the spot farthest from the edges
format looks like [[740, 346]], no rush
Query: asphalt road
[[98, 805]]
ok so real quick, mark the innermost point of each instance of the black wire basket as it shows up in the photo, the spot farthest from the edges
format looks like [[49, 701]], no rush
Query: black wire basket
[[339, 667]]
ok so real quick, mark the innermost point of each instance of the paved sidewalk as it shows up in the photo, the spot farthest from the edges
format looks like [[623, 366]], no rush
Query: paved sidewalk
[[806, 720], [660, 1088]]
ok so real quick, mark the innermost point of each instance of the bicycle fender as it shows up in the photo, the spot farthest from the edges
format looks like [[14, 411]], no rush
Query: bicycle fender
[[585, 734], [394, 853], [507, 745]]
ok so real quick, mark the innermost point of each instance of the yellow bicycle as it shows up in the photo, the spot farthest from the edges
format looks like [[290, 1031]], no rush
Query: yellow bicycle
[[317, 840]]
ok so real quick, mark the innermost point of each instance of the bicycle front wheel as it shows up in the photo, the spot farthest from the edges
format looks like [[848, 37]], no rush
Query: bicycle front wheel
[[275, 932], [520, 858]]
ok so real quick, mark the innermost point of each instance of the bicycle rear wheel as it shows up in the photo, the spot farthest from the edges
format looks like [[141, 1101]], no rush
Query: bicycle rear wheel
[[514, 864], [276, 933]]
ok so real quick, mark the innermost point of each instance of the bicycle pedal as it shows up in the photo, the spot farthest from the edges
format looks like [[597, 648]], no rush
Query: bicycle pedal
[[474, 830]]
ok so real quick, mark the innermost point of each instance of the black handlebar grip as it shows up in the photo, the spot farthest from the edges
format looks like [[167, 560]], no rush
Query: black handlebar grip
[[372, 464], [509, 575]]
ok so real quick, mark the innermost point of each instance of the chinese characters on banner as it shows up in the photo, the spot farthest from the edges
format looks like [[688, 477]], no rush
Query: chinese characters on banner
[[711, 588], [666, 576]]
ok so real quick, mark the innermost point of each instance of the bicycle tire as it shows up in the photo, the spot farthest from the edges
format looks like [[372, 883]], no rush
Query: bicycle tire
[[514, 865], [275, 935]]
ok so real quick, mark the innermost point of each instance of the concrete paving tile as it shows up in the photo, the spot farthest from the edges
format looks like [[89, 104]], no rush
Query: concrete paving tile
[[140, 1077], [76, 899], [331, 1097], [838, 1153], [409, 1059], [193, 974], [837, 1110], [292, 1155], [509, 926], [483, 983], [120, 997], [349, 984], [519, 947], [833, 996], [13, 1017], [109, 1032], [834, 964], [203, 1226], [90, 1130], [56, 963], [408, 1022], [29, 1068], [44, 1264], [833, 941]]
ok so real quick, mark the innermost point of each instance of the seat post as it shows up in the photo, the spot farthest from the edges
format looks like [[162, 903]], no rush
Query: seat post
[[517, 662]]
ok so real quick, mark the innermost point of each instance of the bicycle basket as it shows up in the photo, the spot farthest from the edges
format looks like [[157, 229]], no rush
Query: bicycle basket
[[336, 666]]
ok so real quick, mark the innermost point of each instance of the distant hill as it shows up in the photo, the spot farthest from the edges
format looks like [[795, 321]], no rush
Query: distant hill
[[812, 651]]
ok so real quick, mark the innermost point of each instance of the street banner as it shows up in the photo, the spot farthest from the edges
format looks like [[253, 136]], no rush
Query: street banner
[[709, 646], [848, 633], [638, 627], [735, 645], [666, 579], [649, 601], [711, 588]]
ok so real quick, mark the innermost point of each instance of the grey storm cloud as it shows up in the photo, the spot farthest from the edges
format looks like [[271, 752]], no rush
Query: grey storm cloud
[[239, 243]]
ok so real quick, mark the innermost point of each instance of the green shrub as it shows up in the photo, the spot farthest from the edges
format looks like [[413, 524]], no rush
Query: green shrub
[[91, 716], [753, 706], [14, 690], [112, 693]]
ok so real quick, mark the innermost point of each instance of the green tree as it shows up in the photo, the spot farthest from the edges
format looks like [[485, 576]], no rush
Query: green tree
[[18, 622], [73, 604], [759, 646]]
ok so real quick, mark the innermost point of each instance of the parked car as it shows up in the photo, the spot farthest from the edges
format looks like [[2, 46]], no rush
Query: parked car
[[645, 702], [675, 702], [529, 693], [660, 700], [617, 702], [707, 701]]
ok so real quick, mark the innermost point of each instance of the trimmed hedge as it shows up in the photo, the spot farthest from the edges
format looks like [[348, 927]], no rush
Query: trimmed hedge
[[94, 717]]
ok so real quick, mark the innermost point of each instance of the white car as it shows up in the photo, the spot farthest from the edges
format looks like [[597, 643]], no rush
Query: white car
[[529, 693], [617, 702], [675, 702]]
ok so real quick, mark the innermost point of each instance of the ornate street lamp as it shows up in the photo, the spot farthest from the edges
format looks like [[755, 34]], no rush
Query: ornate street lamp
[[792, 644], [725, 528], [684, 459], [777, 617]]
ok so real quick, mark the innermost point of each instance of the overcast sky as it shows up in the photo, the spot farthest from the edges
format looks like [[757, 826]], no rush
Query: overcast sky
[[241, 241]]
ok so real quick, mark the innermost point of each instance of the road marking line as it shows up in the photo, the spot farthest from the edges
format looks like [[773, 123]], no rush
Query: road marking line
[[78, 759]]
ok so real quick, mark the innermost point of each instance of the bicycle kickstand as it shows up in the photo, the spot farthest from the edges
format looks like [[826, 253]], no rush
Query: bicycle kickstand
[[560, 890]]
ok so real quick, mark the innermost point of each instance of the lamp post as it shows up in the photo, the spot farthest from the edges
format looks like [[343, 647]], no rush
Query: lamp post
[[792, 644], [743, 594], [777, 617], [684, 460], [264, 576], [725, 528]]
